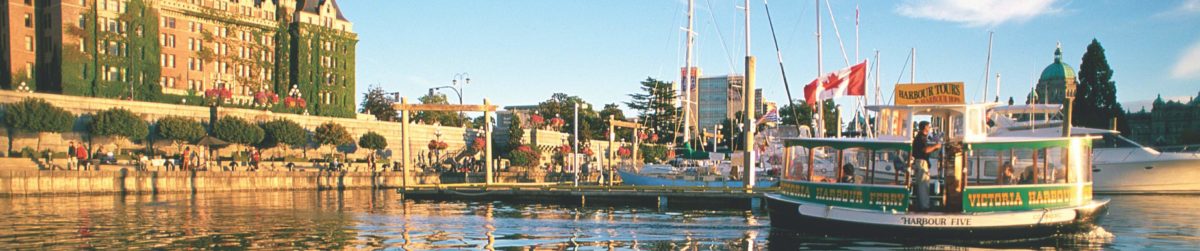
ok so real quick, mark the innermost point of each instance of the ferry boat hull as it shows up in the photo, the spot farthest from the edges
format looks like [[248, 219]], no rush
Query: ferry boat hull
[[814, 217]]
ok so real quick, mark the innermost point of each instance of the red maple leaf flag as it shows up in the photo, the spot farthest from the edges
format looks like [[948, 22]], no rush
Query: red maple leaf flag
[[850, 81]]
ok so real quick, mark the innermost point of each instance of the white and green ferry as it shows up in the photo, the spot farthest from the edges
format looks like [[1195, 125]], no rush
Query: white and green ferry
[[982, 187]]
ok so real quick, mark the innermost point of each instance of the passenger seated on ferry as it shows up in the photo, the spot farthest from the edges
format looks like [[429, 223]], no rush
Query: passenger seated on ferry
[[847, 174], [1027, 176], [1006, 176]]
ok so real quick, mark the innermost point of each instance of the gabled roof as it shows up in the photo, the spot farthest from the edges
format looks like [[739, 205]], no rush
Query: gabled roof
[[314, 6]]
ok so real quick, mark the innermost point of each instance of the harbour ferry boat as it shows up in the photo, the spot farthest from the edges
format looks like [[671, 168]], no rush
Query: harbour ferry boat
[[1041, 186]]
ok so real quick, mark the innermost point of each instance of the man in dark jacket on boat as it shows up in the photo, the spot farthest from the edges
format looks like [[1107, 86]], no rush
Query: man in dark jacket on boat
[[920, 154]]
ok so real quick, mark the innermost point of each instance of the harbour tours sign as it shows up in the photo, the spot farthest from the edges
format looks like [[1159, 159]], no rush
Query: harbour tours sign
[[948, 93]]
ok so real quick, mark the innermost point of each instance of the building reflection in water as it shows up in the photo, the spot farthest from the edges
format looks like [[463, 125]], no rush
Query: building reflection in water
[[356, 219]]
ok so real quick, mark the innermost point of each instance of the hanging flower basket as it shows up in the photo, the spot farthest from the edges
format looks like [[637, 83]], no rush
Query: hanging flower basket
[[587, 151], [294, 102], [557, 122], [437, 145], [624, 151], [537, 120], [479, 144], [266, 98], [217, 96], [564, 149]]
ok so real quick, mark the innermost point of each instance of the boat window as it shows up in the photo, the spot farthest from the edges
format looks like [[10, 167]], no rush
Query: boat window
[[985, 167], [1039, 166], [824, 160], [886, 167]]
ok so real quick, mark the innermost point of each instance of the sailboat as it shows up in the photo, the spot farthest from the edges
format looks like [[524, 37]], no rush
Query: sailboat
[[713, 172]]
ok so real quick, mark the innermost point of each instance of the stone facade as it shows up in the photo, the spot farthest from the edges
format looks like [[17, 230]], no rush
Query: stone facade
[[1167, 123]]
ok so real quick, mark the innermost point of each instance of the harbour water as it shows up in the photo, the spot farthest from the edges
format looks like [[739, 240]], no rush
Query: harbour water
[[365, 219]]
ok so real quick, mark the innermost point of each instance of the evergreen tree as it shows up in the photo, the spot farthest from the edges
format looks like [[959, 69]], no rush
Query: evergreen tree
[[376, 102], [1096, 95], [656, 108]]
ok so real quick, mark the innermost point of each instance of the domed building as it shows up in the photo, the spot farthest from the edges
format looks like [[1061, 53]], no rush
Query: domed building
[[1051, 87]]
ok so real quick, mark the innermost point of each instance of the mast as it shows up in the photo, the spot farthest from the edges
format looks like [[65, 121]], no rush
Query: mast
[[912, 74], [748, 111], [987, 70], [820, 113], [877, 97], [997, 87], [687, 76]]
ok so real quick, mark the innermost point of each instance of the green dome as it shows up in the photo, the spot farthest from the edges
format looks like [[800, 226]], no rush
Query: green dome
[[1058, 69]]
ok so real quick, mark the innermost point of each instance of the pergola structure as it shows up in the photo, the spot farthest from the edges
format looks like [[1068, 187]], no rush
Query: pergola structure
[[404, 108], [612, 136]]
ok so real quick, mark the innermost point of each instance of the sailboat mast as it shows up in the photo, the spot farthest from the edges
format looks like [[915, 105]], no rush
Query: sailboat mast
[[987, 70], [820, 103], [687, 76], [912, 73], [748, 111]]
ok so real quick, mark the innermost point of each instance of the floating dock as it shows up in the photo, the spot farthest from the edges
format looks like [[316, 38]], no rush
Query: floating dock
[[583, 194]]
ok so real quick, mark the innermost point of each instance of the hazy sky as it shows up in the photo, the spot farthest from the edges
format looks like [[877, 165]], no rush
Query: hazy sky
[[520, 52]]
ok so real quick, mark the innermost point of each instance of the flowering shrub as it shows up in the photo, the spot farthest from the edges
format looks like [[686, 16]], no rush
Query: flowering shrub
[[525, 156]]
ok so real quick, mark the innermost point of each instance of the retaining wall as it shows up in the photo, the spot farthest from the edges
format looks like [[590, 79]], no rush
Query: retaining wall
[[122, 181]]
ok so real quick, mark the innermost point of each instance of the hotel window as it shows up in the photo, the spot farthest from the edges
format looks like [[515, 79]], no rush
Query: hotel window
[[82, 21], [191, 44], [82, 2], [191, 64], [171, 60], [28, 69], [28, 43], [28, 21]]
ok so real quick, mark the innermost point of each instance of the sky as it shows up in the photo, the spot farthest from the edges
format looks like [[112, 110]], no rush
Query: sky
[[520, 52]]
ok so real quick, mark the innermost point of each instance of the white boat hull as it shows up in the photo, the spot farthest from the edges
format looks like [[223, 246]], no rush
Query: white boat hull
[[1147, 177]]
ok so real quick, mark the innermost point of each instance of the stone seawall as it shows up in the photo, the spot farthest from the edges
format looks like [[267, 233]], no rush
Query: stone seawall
[[128, 182]]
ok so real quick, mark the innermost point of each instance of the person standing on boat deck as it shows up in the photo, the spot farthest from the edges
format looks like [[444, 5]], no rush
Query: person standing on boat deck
[[920, 154]]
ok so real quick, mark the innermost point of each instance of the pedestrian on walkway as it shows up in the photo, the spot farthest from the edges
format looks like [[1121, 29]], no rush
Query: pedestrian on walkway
[[72, 161]]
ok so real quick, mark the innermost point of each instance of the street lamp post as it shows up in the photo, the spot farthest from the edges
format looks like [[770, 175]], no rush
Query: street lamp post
[[575, 145], [716, 135]]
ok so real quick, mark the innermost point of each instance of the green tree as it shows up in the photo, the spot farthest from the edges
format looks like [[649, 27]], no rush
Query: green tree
[[332, 134], [37, 116], [515, 133], [282, 132], [1096, 95], [446, 118], [656, 108], [177, 129], [373, 141], [118, 122], [238, 131], [376, 102]]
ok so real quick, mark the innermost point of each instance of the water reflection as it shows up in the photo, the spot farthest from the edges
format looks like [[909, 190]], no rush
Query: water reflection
[[366, 219], [356, 220]]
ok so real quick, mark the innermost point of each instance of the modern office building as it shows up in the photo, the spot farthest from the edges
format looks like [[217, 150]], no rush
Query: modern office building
[[720, 98]]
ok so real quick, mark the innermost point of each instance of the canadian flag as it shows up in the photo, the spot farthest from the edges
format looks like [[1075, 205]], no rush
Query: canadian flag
[[850, 81]]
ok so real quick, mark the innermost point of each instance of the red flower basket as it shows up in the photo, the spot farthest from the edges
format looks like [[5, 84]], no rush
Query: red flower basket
[[624, 152], [564, 149], [642, 136], [537, 120], [557, 122], [479, 144], [524, 148], [437, 145], [587, 151], [654, 137]]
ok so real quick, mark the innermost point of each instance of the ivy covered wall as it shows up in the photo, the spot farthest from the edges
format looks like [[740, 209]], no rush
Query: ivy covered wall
[[323, 68], [120, 61]]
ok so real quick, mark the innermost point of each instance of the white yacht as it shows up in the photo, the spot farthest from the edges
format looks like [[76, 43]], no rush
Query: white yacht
[[1119, 165]]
